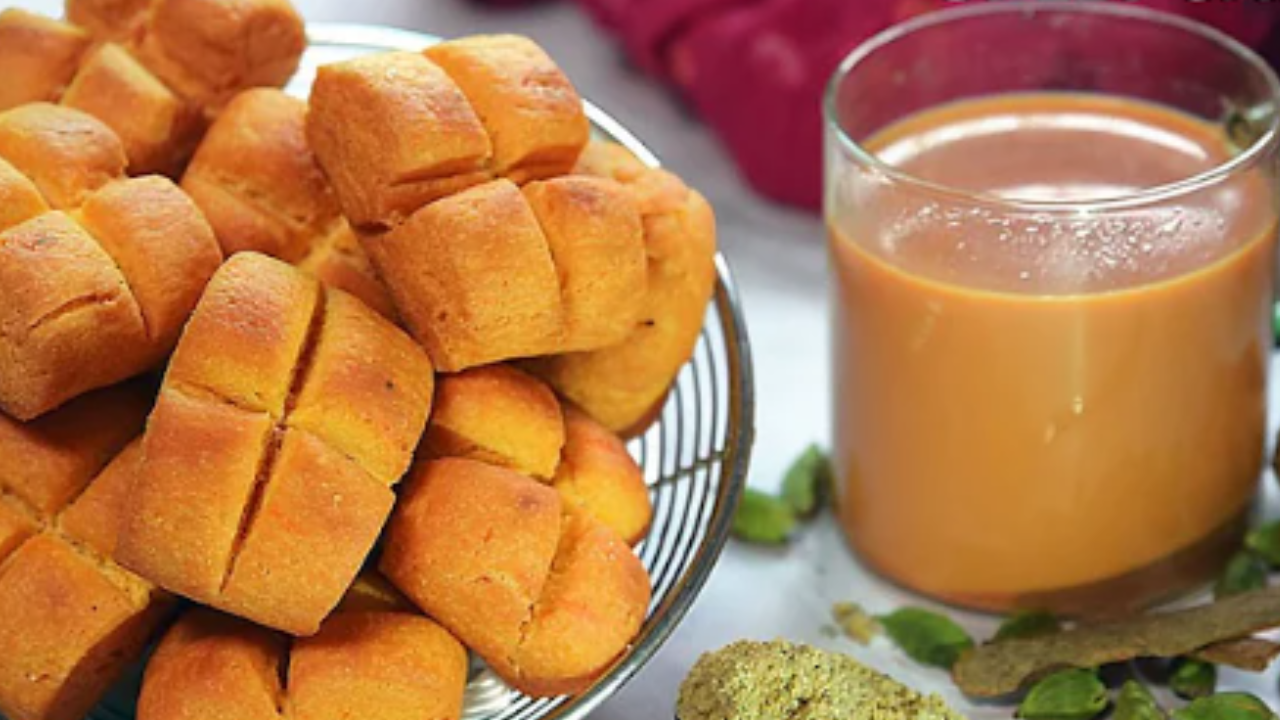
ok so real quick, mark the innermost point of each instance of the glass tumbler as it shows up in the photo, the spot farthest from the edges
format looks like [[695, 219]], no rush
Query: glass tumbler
[[1052, 232]]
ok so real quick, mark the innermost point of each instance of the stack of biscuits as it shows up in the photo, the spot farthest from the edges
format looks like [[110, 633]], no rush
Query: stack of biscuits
[[322, 395]]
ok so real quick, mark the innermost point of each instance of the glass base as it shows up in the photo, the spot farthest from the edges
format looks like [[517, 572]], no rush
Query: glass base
[[1184, 571]]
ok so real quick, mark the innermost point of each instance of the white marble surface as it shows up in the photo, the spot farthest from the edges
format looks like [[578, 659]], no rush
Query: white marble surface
[[779, 260]]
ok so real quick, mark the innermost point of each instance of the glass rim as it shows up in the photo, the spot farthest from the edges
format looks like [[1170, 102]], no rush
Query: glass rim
[[1146, 196]]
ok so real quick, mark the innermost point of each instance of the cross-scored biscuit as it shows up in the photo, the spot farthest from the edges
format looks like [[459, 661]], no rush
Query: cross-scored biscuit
[[499, 415], [49, 461], [71, 620], [111, 20], [19, 198], [593, 230], [598, 477], [210, 50], [394, 133], [287, 414], [377, 665], [97, 292], [411, 142], [530, 110], [624, 385], [159, 130], [548, 599], [38, 57], [473, 278], [257, 181], [66, 153]]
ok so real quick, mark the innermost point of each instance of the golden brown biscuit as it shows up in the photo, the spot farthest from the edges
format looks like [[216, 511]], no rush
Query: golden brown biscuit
[[259, 185], [90, 299], [159, 130], [598, 476], [94, 517], [286, 415], [394, 133], [498, 415], [623, 385], [71, 620], [17, 524], [311, 528], [337, 260], [162, 244], [68, 154], [49, 461], [209, 50], [69, 626], [371, 413], [257, 180], [529, 108], [19, 198], [187, 505], [246, 338], [38, 57], [473, 278], [378, 666], [374, 665], [592, 606], [111, 20], [472, 545], [596, 240], [549, 600], [68, 322], [213, 667]]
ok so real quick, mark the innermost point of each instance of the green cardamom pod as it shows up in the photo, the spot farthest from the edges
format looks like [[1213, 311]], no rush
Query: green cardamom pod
[[1225, 706], [807, 484], [1135, 702], [926, 637], [1075, 694], [763, 518], [1265, 540], [1027, 623], [1245, 571], [1193, 679]]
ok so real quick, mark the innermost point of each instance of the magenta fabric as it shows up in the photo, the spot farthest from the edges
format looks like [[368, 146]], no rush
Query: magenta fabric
[[755, 70]]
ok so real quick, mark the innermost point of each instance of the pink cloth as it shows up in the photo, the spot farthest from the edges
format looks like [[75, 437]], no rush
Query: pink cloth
[[755, 70]]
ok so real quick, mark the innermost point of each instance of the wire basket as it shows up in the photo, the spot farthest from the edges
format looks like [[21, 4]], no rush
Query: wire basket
[[694, 457]]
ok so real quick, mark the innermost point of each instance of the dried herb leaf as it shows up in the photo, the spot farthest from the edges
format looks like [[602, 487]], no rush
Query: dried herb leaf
[[1028, 623], [763, 518], [1135, 702], [1245, 571], [855, 622], [807, 483], [1252, 654], [1225, 706], [1193, 679], [1265, 540], [1065, 695], [1001, 668], [926, 636]]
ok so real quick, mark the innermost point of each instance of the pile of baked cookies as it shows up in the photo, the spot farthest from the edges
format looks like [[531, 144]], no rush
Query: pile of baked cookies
[[322, 395]]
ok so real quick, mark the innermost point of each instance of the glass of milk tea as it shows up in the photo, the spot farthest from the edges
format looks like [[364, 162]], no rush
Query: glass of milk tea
[[1052, 240]]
